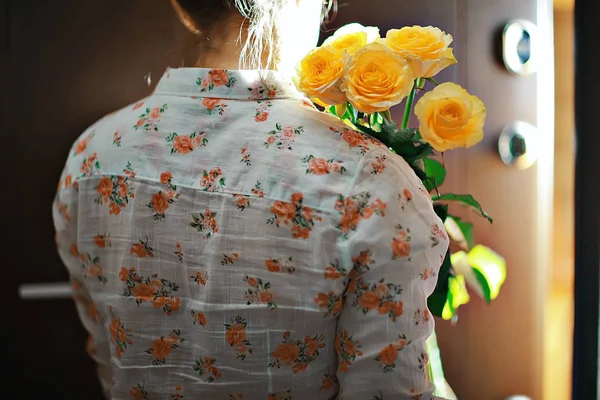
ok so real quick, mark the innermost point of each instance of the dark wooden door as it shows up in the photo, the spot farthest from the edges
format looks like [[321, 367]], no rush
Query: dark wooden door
[[65, 64]]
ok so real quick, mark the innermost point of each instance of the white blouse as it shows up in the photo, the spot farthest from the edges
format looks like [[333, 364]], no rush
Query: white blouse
[[226, 240]]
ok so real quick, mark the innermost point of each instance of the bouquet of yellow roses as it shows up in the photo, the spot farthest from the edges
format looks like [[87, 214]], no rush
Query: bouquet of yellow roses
[[358, 76]]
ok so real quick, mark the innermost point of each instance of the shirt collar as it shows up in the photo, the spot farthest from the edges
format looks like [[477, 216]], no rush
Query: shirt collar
[[226, 84]]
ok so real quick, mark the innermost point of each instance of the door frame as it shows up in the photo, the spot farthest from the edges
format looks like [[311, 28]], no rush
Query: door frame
[[587, 192]]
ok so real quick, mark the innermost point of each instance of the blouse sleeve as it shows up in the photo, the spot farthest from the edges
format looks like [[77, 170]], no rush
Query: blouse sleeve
[[394, 245], [81, 268]]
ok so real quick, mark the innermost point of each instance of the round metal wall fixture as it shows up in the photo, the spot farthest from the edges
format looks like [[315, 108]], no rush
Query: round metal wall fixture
[[519, 47], [518, 145]]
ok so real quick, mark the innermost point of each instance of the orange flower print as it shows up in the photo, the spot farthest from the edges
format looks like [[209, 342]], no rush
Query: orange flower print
[[178, 252], [139, 393], [205, 223], [205, 367], [141, 249], [68, 180], [230, 259], [138, 106], [163, 346], [378, 165], [401, 243], [422, 317], [405, 198], [159, 204], [150, 289], [354, 139], [261, 116], [257, 191], [90, 165], [128, 170], [295, 214], [177, 395], [322, 166], [283, 136], [259, 293], [347, 349], [165, 178], [246, 156], [280, 265], [437, 235], [91, 268], [212, 180], [287, 395], [415, 395], [185, 144], [262, 111], [380, 296], [241, 201], [297, 353], [332, 302], [102, 240], [63, 208], [215, 78], [114, 190], [81, 145], [117, 137], [214, 105], [260, 91], [120, 337], [387, 356], [150, 118], [355, 208], [198, 318], [235, 335], [200, 277], [428, 273], [334, 271], [423, 361], [329, 382]]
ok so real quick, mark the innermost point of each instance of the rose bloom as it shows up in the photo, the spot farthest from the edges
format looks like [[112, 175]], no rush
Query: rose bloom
[[218, 77], [388, 355], [155, 113], [400, 247], [376, 79], [104, 188], [351, 37], [272, 265], [319, 75], [288, 132], [235, 334], [287, 352], [318, 166], [262, 117], [425, 48], [165, 177], [449, 117], [183, 144], [160, 202], [209, 103]]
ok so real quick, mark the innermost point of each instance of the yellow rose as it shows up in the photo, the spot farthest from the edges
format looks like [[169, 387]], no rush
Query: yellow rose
[[425, 48], [376, 79], [352, 37], [320, 73], [450, 117]]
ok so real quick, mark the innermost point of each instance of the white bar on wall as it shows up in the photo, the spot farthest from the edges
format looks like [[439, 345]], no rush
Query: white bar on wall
[[45, 291]]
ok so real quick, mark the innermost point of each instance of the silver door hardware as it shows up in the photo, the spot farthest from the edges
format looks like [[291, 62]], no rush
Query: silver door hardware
[[46, 291], [519, 47], [518, 145]]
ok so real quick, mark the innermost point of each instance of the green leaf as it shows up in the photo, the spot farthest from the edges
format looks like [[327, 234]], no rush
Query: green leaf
[[438, 298], [466, 229], [432, 81], [434, 169], [484, 285], [441, 211], [466, 200]]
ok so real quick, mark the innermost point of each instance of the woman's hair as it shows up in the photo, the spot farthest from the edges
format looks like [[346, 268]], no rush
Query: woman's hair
[[263, 18]]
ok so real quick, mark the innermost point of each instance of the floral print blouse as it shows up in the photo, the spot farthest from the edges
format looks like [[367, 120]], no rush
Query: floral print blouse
[[226, 240]]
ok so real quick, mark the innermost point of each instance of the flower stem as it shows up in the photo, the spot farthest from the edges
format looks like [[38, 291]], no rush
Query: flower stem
[[409, 102]]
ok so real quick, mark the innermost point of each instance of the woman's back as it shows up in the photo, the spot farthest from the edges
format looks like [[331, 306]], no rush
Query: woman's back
[[228, 241]]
